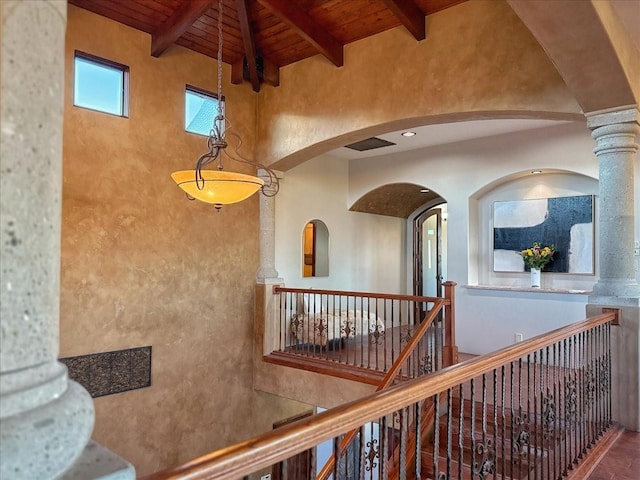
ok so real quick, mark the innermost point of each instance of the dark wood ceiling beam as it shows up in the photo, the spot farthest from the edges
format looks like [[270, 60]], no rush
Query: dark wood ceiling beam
[[175, 26], [297, 19], [249, 44], [410, 15], [270, 73]]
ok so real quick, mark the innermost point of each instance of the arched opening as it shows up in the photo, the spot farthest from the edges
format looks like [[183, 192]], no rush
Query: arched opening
[[315, 249]]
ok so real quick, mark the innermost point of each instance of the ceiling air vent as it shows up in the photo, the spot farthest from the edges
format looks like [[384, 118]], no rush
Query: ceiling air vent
[[369, 144]]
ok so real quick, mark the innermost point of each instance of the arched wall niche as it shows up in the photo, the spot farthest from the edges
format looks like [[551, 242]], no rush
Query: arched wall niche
[[315, 249], [523, 185]]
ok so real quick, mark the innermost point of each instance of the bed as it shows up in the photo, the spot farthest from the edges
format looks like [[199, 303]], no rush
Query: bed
[[325, 328]]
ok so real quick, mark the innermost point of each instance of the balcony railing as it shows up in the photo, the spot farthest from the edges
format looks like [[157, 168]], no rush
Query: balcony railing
[[361, 331], [531, 410]]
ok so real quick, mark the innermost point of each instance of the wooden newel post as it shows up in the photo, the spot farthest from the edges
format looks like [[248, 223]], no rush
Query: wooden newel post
[[450, 347]]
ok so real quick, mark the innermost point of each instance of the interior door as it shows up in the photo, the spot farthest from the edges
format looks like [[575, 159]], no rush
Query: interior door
[[427, 254], [299, 467]]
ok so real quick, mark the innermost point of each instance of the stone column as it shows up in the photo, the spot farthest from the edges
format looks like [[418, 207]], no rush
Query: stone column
[[45, 419], [267, 272], [615, 134]]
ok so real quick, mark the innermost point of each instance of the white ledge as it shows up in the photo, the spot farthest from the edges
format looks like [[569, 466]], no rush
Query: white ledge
[[528, 289]]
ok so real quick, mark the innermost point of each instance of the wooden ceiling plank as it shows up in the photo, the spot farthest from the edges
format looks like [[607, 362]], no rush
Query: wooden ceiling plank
[[249, 44], [410, 15], [298, 20], [175, 26]]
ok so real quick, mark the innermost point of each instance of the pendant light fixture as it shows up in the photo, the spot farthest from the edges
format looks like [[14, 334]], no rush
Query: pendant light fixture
[[221, 187]]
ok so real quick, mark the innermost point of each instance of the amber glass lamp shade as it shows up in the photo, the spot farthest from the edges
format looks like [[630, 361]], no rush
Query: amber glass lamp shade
[[220, 187]]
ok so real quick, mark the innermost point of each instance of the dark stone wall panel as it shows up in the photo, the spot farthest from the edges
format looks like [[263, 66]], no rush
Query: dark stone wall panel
[[111, 372]]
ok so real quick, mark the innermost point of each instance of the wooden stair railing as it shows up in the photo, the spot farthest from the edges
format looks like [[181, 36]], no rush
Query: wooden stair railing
[[388, 380], [569, 365]]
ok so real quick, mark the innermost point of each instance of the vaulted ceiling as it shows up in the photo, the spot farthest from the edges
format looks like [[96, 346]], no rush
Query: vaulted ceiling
[[260, 36]]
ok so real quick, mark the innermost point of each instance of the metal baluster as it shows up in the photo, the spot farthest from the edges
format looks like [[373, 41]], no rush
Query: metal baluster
[[583, 395], [512, 410], [384, 450], [365, 334], [282, 314], [460, 432], [598, 375], [535, 417], [546, 411], [557, 456], [436, 439], [418, 436], [473, 421], [608, 347], [598, 383], [504, 422], [403, 444], [589, 358], [393, 331], [437, 364], [495, 410], [566, 438], [449, 431]]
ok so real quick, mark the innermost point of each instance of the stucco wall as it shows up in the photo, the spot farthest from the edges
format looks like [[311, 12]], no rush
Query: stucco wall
[[141, 265], [478, 60], [364, 250]]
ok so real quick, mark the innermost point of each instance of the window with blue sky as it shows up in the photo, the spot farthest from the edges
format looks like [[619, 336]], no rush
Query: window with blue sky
[[200, 110], [100, 85]]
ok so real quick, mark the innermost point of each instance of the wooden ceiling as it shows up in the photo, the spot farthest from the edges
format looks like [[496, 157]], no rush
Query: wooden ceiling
[[260, 36]]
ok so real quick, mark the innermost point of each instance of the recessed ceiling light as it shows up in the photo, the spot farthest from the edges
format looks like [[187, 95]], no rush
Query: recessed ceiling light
[[424, 190], [408, 134], [535, 172]]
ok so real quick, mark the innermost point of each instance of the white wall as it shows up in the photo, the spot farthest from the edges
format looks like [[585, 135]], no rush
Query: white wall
[[368, 251]]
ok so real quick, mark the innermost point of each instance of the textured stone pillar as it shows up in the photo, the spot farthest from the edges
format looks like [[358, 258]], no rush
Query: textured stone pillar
[[45, 419], [267, 272], [615, 135]]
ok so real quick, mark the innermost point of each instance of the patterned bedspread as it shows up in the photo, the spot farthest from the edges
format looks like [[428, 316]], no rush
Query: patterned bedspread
[[321, 328]]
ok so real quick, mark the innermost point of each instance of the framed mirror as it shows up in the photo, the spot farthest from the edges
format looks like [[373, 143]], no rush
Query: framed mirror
[[315, 249]]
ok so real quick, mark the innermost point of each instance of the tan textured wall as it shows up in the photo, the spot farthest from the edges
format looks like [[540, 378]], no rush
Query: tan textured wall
[[478, 60], [141, 265]]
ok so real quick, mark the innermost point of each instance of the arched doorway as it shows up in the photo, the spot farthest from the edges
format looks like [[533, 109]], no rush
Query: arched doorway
[[429, 251]]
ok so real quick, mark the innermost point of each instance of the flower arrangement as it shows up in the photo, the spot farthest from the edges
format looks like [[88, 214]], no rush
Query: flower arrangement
[[537, 256]]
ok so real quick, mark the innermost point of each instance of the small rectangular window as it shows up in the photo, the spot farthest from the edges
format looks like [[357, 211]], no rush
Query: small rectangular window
[[100, 85], [201, 108]]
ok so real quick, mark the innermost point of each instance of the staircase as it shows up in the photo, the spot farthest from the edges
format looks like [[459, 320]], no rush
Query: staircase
[[537, 409], [484, 440]]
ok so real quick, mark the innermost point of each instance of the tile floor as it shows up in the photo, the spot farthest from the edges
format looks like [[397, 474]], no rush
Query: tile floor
[[622, 462]]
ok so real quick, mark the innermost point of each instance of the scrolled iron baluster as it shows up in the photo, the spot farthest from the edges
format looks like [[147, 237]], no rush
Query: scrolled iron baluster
[[426, 365], [372, 455], [548, 415], [487, 465], [521, 438]]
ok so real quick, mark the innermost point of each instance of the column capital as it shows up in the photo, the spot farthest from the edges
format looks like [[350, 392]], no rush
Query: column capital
[[601, 118]]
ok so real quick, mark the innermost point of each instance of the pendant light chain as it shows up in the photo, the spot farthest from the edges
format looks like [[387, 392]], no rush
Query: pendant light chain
[[220, 6], [222, 187]]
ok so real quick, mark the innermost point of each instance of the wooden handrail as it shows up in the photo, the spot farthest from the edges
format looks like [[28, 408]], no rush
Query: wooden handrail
[[264, 450], [387, 381], [342, 293]]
